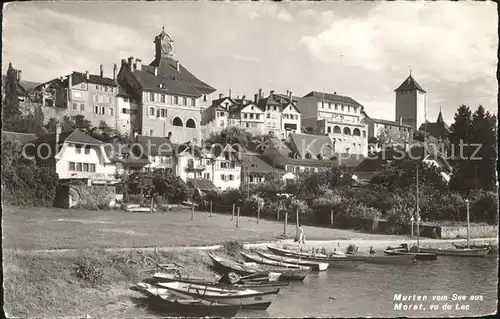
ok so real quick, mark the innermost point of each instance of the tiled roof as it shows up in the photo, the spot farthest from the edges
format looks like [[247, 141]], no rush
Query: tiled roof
[[202, 184], [240, 107], [409, 85], [77, 77], [192, 149], [180, 82], [285, 97], [78, 136], [440, 129], [327, 97], [158, 145], [313, 144], [22, 138], [258, 165], [121, 153], [392, 123]]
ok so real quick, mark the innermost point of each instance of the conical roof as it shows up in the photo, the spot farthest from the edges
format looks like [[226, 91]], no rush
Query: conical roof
[[409, 85]]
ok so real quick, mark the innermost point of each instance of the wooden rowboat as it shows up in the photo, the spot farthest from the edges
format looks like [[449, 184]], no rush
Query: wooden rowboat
[[288, 272], [162, 300], [261, 286], [385, 259], [418, 255], [317, 266], [225, 266], [333, 261], [493, 248], [248, 298], [467, 252]]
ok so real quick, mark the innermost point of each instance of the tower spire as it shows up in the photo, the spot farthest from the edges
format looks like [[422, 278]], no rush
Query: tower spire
[[410, 69]]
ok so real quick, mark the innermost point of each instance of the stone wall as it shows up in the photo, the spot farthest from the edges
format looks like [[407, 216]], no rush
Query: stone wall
[[83, 196], [450, 232]]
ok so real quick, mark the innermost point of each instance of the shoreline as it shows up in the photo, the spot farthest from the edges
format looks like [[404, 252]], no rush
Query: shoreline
[[341, 244]]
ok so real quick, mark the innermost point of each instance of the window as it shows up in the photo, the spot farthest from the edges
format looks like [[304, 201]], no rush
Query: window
[[364, 133], [289, 169], [158, 113], [82, 85], [245, 115], [274, 108], [82, 107], [206, 175], [96, 98], [78, 167], [92, 168], [110, 111], [231, 177], [184, 101], [105, 89], [251, 116], [163, 113], [268, 116], [110, 100], [75, 106], [125, 99], [96, 110], [329, 130], [77, 94], [163, 98], [247, 125], [204, 97], [103, 110], [193, 102], [71, 166], [176, 100], [85, 167], [152, 111], [257, 116], [152, 97], [342, 108], [224, 165], [97, 87], [78, 149], [329, 106], [125, 111], [151, 132], [336, 107], [87, 149]]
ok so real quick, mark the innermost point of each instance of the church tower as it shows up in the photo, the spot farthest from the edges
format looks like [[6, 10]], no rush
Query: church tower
[[163, 45], [410, 103]]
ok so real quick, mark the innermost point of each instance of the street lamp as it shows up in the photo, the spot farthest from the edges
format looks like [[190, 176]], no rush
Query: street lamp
[[412, 220]]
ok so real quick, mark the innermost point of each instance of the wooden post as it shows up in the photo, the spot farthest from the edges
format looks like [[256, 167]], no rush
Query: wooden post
[[278, 213], [151, 207], [192, 212], [232, 215], [258, 214], [238, 218], [331, 217], [285, 223], [210, 208]]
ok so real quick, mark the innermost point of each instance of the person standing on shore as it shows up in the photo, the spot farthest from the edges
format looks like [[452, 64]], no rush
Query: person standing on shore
[[300, 237]]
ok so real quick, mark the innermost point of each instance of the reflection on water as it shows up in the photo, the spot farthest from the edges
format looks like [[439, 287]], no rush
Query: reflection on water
[[370, 289]]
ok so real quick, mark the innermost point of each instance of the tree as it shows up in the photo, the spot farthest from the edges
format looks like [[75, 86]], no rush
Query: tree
[[67, 124], [483, 134], [10, 108], [231, 135], [81, 122], [461, 128], [51, 125]]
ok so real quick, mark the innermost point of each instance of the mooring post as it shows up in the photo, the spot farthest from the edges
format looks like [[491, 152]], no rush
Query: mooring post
[[232, 215], [258, 214], [278, 214], [285, 224], [238, 218], [151, 207], [331, 217], [192, 212]]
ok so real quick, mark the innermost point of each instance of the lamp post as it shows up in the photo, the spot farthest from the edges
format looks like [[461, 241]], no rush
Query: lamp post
[[467, 202], [412, 220], [418, 233]]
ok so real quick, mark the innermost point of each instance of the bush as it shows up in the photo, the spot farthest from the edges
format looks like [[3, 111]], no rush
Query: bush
[[90, 271], [251, 205], [484, 207]]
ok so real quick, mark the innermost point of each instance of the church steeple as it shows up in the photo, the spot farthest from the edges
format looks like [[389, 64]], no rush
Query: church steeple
[[440, 117]]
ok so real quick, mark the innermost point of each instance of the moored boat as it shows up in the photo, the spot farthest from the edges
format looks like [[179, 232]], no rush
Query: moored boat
[[466, 252], [493, 248], [248, 298], [333, 261], [225, 266], [388, 259], [403, 250], [162, 300], [287, 273], [317, 266]]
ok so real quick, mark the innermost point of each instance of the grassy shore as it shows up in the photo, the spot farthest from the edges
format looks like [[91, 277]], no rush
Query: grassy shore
[[53, 228], [85, 282]]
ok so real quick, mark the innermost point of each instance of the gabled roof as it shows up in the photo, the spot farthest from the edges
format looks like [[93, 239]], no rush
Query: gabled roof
[[327, 97], [75, 136], [285, 97], [78, 77], [258, 165], [194, 150], [22, 138], [202, 184], [409, 85], [313, 144], [180, 82], [440, 117], [440, 129], [387, 122], [122, 153], [158, 145], [238, 108]]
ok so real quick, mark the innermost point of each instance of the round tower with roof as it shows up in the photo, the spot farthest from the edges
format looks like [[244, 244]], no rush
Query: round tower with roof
[[410, 103]]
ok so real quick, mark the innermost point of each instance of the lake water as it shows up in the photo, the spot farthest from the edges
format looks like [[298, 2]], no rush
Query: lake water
[[370, 290]]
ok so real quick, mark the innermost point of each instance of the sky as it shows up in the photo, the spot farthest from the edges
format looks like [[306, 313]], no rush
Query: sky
[[364, 50]]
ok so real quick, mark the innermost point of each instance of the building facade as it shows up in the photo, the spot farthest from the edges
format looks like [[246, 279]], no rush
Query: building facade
[[170, 99], [339, 117], [388, 133], [410, 103]]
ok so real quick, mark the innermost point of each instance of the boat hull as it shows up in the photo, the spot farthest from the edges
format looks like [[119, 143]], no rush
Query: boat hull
[[418, 256], [333, 262], [385, 259], [322, 266], [292, 273], [249, 299], [475, 252], [493, 248]]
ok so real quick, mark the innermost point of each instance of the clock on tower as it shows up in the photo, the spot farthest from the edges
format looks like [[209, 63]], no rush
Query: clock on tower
[[163, 44]]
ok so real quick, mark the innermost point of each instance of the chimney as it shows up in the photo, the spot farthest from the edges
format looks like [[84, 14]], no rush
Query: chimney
[[131, 62], [287, 92], [255, 98], [87, 75], [169, 135], [243, 97], [19, 75], [156, 71], [138, 64], [178, 66], [114, 71], [271, 93], [229, 92], [101, 70], [290, 95], [260, 93], [237, 97], [220, 96]]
